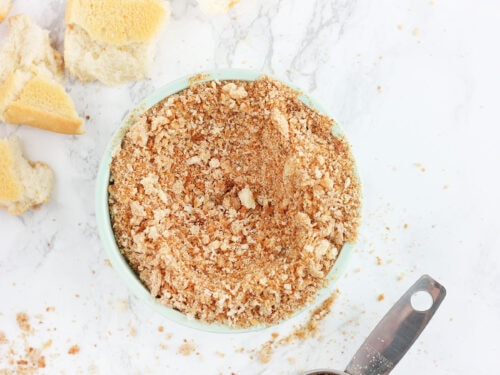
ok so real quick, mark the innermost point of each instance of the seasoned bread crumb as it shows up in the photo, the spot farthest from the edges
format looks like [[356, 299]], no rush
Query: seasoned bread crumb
[[221, 215]]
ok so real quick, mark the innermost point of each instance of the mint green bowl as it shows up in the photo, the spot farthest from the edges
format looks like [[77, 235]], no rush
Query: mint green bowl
[[104, 223]]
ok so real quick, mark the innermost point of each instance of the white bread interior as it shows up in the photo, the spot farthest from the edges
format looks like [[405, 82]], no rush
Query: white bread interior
[[213, 7], [31, 78], [112, 41], [23, 184], [4, 9]]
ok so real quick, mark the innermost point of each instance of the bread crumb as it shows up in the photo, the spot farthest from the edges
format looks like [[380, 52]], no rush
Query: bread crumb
[[380, 297], [23, 321], [121, 305], [3, 338], [75, 349], [160, 328], [50, 309], [416, 31], [229, 189], [379, 88], [220, 354], [400, 27], [379, 261], [186, 348], [265, 353], [405, 226], [309, 329], [107, 262]]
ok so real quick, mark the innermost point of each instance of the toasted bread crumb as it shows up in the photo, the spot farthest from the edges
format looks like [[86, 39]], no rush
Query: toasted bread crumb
[[75, 349], [186, 348], [23, 321], [227, 212]]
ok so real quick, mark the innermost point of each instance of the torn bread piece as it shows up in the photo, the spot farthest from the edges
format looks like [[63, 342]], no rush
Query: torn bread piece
[[31, 81], [112, 41], [4, 8], [23, 184]]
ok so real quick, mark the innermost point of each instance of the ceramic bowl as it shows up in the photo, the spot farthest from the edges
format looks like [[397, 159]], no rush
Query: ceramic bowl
[[104, 223]]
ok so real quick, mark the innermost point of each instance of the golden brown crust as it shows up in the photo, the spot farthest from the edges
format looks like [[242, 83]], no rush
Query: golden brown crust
[[117, 22], [232, 200], [42, 104]]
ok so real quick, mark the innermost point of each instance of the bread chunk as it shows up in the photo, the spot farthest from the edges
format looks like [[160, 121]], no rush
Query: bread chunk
[[112, 41], [23, 184], [31, 79]]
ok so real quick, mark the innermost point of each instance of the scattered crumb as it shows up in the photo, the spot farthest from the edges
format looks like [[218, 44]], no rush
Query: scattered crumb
[[23, 321], [405, 226], [380, 297], [400, 276], [379, 261], [186, 348], [168, 336], [416, 31], [419, 165], [220, 354], [3, 338], [400, 27], [47, 344], [163, 347], [87, 117], [445, 187], [266, 352], [275, 335], [292, 360], [132, 331], [107, 262], [121, 305], [77, 295], [357, 270], [309, 329], [75, 349], [379, 88], [160, 328], [50, 309]]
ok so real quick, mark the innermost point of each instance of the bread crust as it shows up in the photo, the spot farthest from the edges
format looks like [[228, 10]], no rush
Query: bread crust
[[117, 22]]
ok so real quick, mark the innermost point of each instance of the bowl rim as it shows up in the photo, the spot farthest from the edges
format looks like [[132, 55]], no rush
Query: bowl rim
[[104, 222]]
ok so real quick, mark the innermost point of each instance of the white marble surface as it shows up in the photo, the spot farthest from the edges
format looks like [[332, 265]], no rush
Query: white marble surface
[[415, 85]]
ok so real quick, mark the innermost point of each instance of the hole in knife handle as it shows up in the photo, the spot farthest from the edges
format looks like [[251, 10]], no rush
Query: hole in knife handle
[[421, 301]]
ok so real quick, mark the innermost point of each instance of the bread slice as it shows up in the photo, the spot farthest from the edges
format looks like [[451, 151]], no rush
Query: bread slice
[[112, 41], [4, 9], [23, 184], [31, 78], [213, 7]]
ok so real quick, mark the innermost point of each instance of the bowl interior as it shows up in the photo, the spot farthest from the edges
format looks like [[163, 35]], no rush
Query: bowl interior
[[104, 222]]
